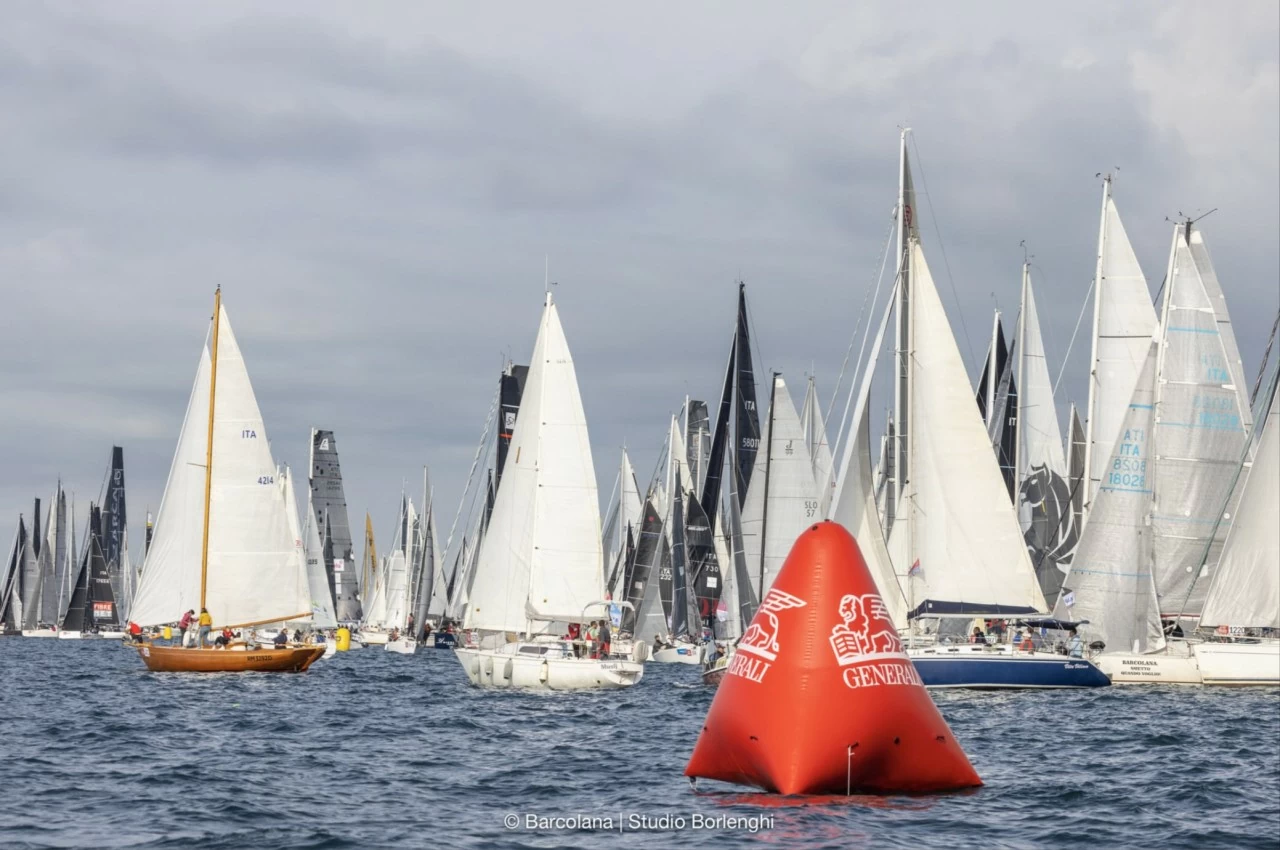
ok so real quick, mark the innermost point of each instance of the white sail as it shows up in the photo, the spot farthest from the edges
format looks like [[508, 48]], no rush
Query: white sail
[[542, 556], [1246, 586], [396, 590], [815, 436], [631, 504], [854, 505], [322, 615], [255, 572], [1110, 582], [1044, 487], [783, 499], [955, 533], [1200, 436], [1123, 322]]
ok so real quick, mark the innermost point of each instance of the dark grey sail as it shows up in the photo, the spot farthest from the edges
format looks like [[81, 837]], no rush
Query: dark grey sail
[[146, 541], [425, 587], [114, 522], [678, 613], [709, 495], [11, 592], [747, 601], [697, 440], [704, 564], [93, 604], [644, 565], [329, 503], [747, 426], [511, 388], [998, 403]]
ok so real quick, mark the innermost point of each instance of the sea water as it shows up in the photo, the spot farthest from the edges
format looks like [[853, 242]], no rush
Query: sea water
[[375, 749]]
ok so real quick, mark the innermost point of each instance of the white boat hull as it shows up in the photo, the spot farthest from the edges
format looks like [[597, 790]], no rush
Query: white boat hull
[[506, 667], [1156, 668], [372, 638], [404, 646], [69, 636], [1239, 663], [681, 653], [39, 633]]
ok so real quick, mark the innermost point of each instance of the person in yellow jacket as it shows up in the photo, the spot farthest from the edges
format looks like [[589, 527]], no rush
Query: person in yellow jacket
[[206, 623]]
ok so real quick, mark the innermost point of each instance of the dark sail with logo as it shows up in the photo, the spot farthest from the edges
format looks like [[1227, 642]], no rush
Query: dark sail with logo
[[114, 522], [93, 605], [329, 503], [747, 433], [710, 493], [510, 391], [704, 563], [643, 565]]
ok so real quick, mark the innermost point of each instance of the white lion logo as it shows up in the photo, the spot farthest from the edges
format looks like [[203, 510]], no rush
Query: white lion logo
[[761, 638], [867, 629]]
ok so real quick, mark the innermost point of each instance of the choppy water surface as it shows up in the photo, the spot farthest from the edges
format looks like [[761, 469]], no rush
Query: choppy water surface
[[374, 749]]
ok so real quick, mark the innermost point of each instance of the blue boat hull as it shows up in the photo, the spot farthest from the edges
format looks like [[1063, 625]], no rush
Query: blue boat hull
[[445, 640], [1008, 671]]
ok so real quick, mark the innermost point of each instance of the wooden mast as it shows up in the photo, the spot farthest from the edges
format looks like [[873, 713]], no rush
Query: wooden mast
[[208, 457]]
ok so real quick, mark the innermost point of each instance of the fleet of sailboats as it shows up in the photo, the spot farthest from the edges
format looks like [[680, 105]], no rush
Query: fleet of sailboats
[[1132, 541]]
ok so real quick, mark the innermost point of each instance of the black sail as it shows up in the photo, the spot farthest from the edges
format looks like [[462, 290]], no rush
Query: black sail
[[93, 604], [710, 493], [510, 391], [697, 440], [115, 520], [678, 613], [1002, 417], [747, 431], [329, 502], [704, 563], [643, 566]]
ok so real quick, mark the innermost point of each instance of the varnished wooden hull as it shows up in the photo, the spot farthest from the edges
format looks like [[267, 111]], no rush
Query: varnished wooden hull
[[176, 659]]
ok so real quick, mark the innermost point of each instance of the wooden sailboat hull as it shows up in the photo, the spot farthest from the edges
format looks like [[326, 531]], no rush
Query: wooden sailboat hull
[[176, 659]]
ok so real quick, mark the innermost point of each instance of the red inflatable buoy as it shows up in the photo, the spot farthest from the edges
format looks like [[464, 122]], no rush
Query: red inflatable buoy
[[819, 697]]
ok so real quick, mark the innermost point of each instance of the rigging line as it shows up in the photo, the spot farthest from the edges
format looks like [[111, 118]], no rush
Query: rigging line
[[1062, 370], [943, 248], [863, 311], [858, 366], [1266, 355], [475, 461]]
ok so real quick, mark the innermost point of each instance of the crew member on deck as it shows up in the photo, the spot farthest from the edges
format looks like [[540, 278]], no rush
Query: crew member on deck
[[282, 639], [1075, 646], [206, 623], [184, 624], [224, 639], [606, 638]]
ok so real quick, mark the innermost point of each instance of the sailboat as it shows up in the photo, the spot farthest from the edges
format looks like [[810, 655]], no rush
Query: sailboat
[[1040, 470], [955, 550], [1152, 539], [92, 611], [1243, 604], [223, 539], [540, 562], [998, 402], [329, 507]]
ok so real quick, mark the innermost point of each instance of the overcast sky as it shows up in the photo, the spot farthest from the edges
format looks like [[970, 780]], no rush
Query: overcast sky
[[376, 186]]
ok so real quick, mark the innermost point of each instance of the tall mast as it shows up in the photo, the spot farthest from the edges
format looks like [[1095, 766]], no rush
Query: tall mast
[[1021, 343], [208, 455], [1091, 411], [902, 332], [768, 457]]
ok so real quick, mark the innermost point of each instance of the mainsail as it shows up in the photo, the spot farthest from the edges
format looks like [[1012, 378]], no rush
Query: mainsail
[[1123, 322], [955, 533], [93, 604], [1110, 584], [1246, 586], [815, 438], [255, 573], [541, 561], [642, 572], [322, 615], [1044, 489], [329, 504], [784, 499], [115, 522], [1200, 432], [998, 403]]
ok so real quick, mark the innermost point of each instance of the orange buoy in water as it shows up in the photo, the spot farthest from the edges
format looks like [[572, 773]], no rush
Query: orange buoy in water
[[819, 697]]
